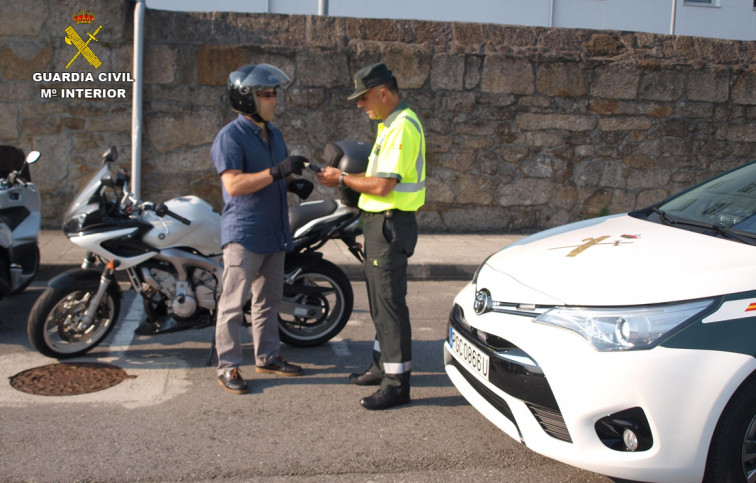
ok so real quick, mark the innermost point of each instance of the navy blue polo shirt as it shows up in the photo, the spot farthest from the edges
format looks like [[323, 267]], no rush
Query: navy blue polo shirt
[[258, 221]]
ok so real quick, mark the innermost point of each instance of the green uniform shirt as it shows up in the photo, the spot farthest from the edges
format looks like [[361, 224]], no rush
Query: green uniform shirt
[[399, 153]]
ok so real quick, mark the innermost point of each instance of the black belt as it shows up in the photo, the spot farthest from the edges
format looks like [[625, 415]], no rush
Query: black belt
[[388, 213]]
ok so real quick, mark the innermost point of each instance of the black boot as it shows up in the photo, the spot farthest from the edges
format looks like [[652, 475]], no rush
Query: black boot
[[367, 378], [386, 398]]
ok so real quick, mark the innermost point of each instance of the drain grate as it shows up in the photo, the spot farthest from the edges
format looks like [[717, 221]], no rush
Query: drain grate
[[68, 379]]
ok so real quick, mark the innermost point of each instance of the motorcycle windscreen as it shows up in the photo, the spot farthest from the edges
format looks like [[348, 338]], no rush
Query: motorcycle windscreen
[[85, 195]]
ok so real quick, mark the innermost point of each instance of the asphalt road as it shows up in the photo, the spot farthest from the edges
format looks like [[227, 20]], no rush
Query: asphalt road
[[171, 421]]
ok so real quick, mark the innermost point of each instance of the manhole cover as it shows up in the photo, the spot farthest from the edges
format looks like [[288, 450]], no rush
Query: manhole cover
[[68, 379]]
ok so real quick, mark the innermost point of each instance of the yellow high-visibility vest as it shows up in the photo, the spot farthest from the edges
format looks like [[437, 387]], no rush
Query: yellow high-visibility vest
[[399, 153]]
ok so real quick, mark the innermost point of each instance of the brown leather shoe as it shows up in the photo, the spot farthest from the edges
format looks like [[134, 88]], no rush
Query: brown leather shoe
[[280, 367], [232, 381]]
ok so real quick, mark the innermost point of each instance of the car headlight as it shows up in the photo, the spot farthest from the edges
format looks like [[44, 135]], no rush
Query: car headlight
[[625, 328]]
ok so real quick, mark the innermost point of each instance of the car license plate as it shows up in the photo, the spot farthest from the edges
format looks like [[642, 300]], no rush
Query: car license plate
[[469, 354]]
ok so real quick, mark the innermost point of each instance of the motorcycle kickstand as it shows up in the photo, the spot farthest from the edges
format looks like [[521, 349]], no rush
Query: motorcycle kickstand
[[212, 350]]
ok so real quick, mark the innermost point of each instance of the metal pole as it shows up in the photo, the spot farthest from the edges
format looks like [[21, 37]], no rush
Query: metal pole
[[322, 7], [551, 14], [136, 103], [674, 15]]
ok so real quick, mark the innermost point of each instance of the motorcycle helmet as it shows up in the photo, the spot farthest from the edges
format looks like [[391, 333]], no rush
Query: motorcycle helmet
[[350, 157], [244, 82]]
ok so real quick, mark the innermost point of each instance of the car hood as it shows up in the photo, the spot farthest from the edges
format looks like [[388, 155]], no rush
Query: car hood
[[617, 260]]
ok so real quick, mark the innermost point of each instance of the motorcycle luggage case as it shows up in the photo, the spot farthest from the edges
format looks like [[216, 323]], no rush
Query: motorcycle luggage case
[[350, 157]]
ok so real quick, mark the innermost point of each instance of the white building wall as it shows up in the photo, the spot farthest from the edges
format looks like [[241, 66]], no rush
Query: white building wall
[[733, 19], [729, 19], [512, 12], [633, 15]]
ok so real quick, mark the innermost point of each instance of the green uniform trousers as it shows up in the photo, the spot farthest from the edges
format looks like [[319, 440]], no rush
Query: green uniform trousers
[[390, 239]]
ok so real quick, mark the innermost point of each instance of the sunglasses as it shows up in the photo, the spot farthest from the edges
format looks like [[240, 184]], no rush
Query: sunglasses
[[266, 94]]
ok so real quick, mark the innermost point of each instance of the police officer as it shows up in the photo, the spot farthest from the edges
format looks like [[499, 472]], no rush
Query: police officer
[[255, 169], [392, 189]]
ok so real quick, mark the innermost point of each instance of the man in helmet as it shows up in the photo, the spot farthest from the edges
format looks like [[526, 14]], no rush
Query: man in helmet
[[392, 189], [255, 169]]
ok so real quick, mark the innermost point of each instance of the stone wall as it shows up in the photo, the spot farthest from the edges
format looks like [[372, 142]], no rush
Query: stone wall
[[527, 128]]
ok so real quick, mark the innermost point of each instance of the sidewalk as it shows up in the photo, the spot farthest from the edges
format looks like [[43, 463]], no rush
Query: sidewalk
[[437, 256]]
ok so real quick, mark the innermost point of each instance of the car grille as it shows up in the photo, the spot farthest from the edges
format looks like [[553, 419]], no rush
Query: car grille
[[524, 382], [494, 400], [551, 422]]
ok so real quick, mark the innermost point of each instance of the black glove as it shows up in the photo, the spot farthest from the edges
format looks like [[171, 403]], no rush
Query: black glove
[[301, 187], [292, 164]]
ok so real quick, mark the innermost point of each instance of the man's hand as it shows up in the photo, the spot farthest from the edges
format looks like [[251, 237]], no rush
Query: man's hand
[[301, 187], [329, 176], [291, 164]]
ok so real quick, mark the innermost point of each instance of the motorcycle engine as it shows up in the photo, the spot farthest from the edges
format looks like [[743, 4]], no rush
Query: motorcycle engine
[[183, 297]]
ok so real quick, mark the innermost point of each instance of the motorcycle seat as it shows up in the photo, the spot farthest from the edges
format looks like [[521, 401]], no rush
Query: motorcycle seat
[[300, 215]]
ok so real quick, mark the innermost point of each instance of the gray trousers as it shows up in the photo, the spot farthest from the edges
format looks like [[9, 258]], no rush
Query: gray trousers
[[247, 273]]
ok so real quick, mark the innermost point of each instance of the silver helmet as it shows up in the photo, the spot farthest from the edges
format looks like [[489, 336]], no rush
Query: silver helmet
[[244, 82]]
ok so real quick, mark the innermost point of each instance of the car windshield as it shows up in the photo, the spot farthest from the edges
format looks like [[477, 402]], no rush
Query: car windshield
[[727, 202]]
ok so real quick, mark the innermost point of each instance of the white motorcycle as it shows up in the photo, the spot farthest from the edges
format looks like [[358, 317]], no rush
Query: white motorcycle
[[172, 255], [20, 220]]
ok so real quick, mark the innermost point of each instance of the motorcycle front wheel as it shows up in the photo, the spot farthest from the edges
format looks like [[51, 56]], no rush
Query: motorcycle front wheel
[[317, 305], [56, 327]]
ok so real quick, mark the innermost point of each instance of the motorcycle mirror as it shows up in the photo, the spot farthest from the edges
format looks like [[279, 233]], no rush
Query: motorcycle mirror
[[32, 157], [111, 155]]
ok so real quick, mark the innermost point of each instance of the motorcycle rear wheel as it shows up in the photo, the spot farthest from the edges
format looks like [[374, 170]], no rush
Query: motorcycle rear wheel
[[328, 289], [54, 321]]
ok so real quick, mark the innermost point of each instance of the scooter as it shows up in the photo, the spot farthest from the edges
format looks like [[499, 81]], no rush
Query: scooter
[[20, 221], [172, 255]]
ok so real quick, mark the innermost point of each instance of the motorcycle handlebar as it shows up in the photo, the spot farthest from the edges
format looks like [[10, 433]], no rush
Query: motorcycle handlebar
[[161, 210], [15, 178]]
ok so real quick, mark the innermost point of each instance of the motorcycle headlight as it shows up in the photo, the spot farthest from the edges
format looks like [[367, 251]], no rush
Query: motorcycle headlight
[[75, 223], [623, 328]]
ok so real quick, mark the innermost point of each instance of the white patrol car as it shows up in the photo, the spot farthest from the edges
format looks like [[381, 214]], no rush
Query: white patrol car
[[624, 345]]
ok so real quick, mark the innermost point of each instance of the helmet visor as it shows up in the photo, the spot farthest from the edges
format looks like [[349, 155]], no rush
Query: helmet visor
[[262, 76]]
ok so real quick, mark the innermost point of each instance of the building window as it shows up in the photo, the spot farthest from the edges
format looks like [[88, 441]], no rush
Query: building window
[[711, 3]]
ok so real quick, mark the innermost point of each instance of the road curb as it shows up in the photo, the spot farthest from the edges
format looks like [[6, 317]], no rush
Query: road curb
[[415, 272], [422, 272]]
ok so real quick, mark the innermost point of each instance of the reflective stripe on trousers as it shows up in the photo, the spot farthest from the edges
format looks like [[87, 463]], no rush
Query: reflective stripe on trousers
[[392, 367]]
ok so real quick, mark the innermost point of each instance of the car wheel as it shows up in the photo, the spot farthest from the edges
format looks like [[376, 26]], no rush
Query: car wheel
[[732, 455]]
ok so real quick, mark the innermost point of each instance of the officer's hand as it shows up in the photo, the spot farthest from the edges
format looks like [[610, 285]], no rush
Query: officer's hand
[[291, 164], [301, 187], [329, 176]]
